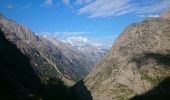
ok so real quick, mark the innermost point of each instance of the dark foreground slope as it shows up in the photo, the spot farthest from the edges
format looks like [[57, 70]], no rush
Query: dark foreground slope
[[17, 78], [137, 64]]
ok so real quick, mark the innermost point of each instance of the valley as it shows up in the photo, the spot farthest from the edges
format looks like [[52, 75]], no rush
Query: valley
[[137, 67]]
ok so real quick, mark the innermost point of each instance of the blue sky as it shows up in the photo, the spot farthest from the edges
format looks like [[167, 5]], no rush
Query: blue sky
[[78, 22]]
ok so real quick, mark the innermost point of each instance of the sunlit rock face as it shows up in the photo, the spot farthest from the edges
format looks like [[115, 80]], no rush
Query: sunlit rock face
[[137, 62]]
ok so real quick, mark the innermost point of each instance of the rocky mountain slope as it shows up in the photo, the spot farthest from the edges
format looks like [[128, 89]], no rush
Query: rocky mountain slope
[[86, 56], [91, 52], [47, 60], [76, 57], [94, 53], [138, 63], [19, 81], [33, 68]]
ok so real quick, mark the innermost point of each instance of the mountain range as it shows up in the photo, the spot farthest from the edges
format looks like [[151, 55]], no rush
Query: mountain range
[[94, 53], [50, 58], [36, 68]]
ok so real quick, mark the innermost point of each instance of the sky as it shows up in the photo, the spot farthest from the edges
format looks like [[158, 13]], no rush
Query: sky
[[81, 22]]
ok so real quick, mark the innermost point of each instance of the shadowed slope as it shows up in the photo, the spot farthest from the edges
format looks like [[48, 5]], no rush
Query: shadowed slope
[[149, 57], [81, 91], [160, 92], [17, 78]]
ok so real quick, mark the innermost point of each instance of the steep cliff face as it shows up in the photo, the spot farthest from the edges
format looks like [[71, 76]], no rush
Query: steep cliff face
[[138, 61], [46, 59]]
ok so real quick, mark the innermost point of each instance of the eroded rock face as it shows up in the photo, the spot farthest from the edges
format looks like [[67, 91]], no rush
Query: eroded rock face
[[138, 61]]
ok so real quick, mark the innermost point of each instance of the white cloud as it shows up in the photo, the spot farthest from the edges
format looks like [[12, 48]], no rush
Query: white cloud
[[69, 34], [63, 35], [47, 3], [144, 16], [104, 8], [9, 6], [153, 16], [97, 44], [154, 7], [81, 2], [66, 2], [44, 36], [23, 7], [77, 41], [82, 41]]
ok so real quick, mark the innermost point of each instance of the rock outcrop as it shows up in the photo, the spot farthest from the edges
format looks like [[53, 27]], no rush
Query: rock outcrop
[[138, 61]]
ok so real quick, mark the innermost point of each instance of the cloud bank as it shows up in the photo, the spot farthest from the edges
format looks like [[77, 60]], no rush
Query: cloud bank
[[77, 38], [105, 8]]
